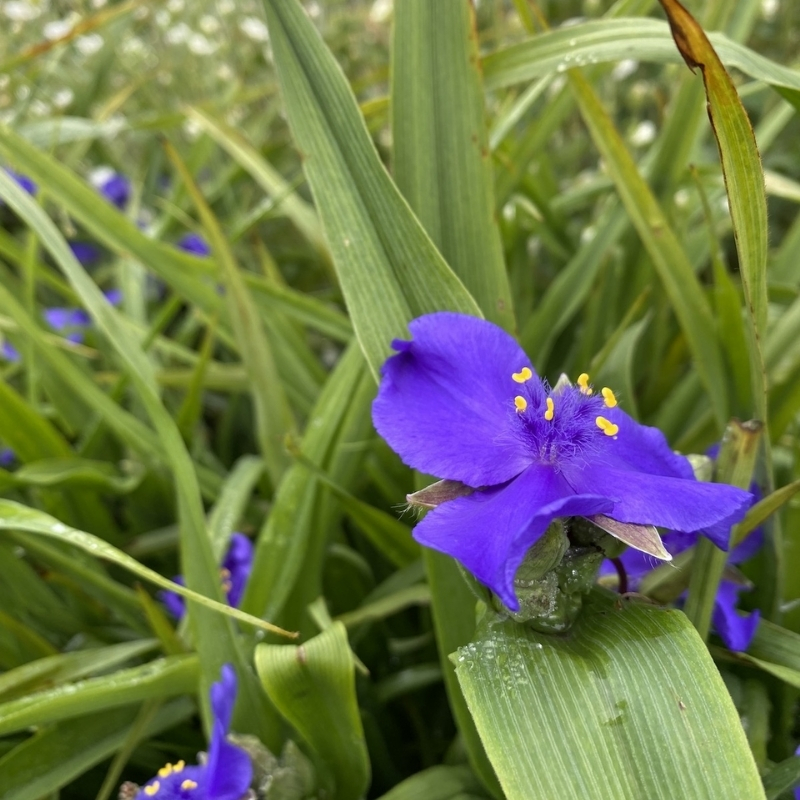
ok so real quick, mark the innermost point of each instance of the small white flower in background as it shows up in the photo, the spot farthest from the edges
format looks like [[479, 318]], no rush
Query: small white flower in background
[[625, 68], [57, 28], [163, 18], [38, 108], [769, 8], [225, 72], [209, 24], [133, 46], [255, 29], [90, 43], [588, 233], [99, 3], [101, 175], [63, 97], [643, 133], [20, 11], [192, 129], [314, 10], [176, 6], [681, 198], [143, 12], [178, 34], [381, 11], [226, 6], [200, 46]]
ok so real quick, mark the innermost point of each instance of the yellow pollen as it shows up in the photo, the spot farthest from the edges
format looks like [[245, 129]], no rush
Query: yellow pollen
[[608, 427], [583, 382], [525, 374], [609, 397], [521, 403], [152, 789], [548, 415], [188, 784], [179, 766], [165, 771]]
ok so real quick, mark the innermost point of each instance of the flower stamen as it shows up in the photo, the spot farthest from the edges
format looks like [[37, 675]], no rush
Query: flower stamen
[[525, 374], [550, 413], [189, 784], [521, 403], [608, 427], [152, 789], [583, 383], [165, 771], [609, 397]]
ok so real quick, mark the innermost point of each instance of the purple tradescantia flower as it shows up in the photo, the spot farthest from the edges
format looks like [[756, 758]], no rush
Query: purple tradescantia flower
[[234, 573], [735, 630], [23, 181], [461, 402], [228, 770], [194, 243], [9, 353], [7, 457], [72, 322], [116, 189], [86, 253]]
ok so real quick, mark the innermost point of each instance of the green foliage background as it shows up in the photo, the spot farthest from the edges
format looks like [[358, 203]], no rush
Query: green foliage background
[[550, 167]]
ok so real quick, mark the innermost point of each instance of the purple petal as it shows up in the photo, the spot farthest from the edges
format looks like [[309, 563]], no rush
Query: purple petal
[[229, 770], [446, 400], [642, 448], [85, 252], [748, 547], [60, 318], [173, 602], [238, 561], [223, 696], [116, 190], [23, 181], [7, 456], [490, 532], [675, 503], [195, 244], [9, 352], [736, 631], [170, 786], [114, 296]]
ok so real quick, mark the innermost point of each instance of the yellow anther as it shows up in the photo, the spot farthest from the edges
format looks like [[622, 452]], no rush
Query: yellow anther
[[608, 427], [548, 415], [152, 789], [188, 784], [525, 374], [165, 771], [609, 397], [583, 382], [521, 403], [179, 766]]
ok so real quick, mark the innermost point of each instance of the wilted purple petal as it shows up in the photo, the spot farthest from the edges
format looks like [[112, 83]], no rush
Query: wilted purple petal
[[194, 243], [736, 631], [490, 531], [446, 400]]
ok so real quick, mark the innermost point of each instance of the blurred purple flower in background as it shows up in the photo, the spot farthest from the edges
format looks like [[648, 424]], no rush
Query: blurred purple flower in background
[[9, 353], [116, 188], [227, 771], [73, 322], [86, 252], [459, 401], [735, 630], [7, 457], [23, 180], [194, 243], [234, 573]]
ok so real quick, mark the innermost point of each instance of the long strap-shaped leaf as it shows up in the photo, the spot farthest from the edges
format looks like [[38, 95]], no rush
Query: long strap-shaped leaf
[[441, 159], [389, 269], [596, 714]]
